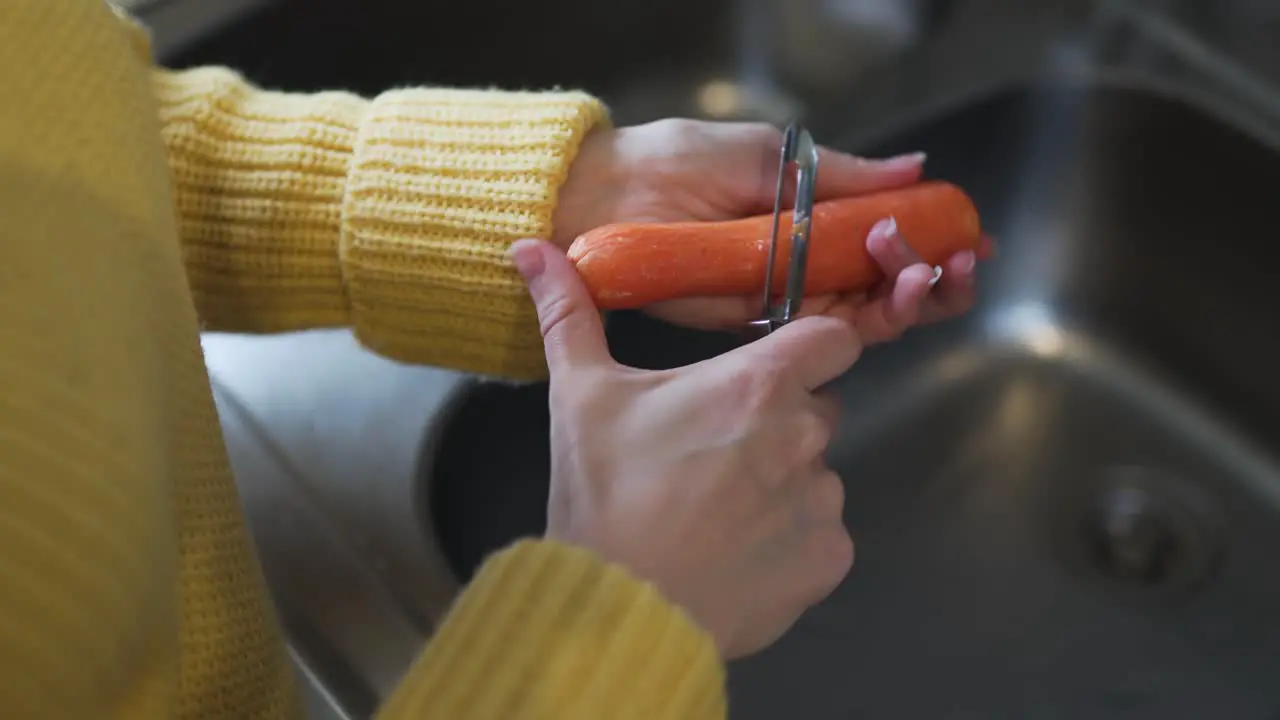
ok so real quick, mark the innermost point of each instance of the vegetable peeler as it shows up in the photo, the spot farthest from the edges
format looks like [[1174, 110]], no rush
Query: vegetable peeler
[[799, 154]]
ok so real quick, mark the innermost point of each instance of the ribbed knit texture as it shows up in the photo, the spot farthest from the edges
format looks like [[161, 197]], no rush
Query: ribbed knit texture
[[128, 584], [556, 634], [393, 215]]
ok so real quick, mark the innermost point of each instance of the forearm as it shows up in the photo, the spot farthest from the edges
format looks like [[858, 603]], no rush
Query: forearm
[[259, 181], [548, 631], [392, 215]]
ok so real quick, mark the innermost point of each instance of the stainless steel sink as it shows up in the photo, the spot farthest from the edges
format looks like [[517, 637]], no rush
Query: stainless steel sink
[[1066, 504]]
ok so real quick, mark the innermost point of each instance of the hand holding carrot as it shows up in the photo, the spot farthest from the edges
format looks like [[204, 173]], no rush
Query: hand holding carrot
[[709, 480], [674, 171]]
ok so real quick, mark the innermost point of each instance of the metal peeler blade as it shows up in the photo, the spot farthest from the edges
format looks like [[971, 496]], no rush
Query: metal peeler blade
[[799, 154]]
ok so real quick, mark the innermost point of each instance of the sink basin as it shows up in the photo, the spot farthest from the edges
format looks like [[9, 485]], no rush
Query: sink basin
[[1067, 503], [1064, 502]]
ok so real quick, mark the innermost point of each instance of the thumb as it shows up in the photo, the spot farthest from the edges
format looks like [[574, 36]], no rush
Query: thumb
[[572, 332], [815, 349]]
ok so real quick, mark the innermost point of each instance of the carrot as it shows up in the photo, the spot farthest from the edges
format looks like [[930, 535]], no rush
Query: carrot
[[631, 265]]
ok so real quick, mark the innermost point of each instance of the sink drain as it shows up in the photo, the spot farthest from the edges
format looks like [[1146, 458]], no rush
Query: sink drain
[[1134, 539], [1143, 529]]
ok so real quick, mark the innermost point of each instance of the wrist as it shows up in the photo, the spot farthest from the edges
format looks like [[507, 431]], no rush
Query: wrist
[[585, 199]]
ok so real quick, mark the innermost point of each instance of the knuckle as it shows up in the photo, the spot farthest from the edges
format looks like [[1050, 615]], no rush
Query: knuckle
[[840, 332], [680, 130], [832, 556], [833, 331], [829, 407], [839, 553], [827, 496], [814, 436], [554, 311]]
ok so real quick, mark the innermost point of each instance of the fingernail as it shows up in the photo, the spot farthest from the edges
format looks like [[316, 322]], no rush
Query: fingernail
[[937, 275], [886, 228], [905, 161], [527, 257], [889, 227]]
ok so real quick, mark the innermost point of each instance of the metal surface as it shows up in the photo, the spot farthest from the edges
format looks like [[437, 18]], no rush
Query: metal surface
[[326, 443], [1067, 504], [175, 24], [799, 153], [721, 59], [803, 52]]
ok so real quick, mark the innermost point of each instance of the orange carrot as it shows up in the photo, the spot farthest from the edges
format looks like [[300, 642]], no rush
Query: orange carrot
[[631, 265]]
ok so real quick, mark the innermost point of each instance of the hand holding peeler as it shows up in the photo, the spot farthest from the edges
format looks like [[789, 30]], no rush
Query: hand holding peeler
[[799, 155]]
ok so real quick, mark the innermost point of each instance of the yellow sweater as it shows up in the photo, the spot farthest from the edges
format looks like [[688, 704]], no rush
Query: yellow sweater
[[138, 204]]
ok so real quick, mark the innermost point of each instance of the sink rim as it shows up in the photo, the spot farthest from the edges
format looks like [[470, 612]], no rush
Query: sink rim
[[421, 507]]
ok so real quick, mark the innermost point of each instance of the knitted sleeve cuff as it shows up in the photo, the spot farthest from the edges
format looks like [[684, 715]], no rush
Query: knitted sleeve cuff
[[441, 183], [548, 631]]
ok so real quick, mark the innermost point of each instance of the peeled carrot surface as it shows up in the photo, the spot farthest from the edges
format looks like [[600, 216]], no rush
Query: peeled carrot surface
[[631, 265]]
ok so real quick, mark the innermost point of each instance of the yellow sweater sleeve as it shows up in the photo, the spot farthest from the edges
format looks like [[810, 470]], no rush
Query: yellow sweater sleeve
[[554, 634], [128, 585], [392, 214]]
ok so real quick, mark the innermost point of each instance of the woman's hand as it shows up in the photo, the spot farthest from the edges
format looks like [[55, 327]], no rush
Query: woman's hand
[[678, 170], [708, 480]]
